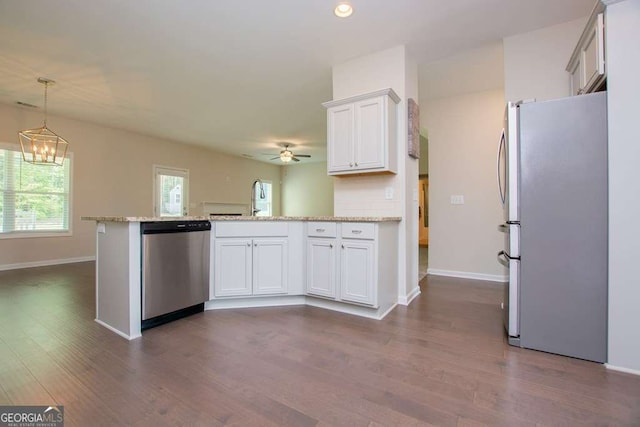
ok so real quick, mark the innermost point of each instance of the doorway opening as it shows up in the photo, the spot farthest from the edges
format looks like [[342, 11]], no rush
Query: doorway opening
[[423, 226], [423, 208]]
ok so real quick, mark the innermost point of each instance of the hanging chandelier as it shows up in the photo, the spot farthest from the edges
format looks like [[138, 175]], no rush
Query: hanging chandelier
[[42, 146]]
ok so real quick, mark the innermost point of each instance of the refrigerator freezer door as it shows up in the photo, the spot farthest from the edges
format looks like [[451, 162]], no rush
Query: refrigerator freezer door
[[563, 205], [510, 305]]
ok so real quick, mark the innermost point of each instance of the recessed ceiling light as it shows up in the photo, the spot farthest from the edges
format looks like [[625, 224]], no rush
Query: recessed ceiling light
[[343, 10]]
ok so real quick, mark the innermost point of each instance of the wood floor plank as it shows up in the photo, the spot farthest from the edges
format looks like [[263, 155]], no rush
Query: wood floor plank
[[443, 360]]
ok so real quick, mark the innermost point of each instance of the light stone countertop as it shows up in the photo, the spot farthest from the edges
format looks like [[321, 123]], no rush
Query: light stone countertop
[[243, 218]]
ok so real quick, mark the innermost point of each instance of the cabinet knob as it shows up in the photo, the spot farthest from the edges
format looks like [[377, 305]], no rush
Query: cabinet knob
[[248, 244], [255, 244], [342, 246], [350, 165], [356, 163], [331, 245]]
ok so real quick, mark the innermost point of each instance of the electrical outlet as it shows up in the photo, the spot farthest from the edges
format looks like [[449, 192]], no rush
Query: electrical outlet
[[388, 193], [457, 199]]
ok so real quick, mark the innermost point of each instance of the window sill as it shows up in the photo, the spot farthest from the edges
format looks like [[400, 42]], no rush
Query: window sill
[[34, 234]]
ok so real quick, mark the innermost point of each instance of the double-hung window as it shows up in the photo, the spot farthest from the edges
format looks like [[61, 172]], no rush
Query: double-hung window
[[34, 199], [171, 191]]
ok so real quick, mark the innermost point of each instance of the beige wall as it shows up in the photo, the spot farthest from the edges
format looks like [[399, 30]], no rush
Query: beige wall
[[463, 124], [535, 62], [307, 190], [623, 68], [463, 135], [112, 175]]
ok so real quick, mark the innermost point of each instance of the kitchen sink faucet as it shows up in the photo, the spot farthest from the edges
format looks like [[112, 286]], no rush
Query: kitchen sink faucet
[[254, 210]]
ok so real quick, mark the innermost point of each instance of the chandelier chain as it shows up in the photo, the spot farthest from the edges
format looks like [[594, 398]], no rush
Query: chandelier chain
[[46, 86]]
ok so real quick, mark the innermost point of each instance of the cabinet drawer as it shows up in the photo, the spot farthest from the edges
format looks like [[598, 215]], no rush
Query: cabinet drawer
[[321, 229], [251, 229], [358, 230]]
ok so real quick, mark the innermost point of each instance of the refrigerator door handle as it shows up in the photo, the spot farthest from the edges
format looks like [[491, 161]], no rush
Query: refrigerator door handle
[[501, 146], [503, 258]]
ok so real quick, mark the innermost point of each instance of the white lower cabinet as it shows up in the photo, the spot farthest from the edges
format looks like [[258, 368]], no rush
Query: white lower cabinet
[[270, 266], [357, 272], [232, 267], [321, 267], [344, 268], [250, 267]]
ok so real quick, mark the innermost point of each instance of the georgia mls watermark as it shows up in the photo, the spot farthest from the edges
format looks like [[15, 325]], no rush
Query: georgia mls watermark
[[31, 416]]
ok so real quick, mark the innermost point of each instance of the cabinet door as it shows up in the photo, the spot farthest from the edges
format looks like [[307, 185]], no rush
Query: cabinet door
[[593, 55], [370, 134], [232, 267], [321, 267], [577, 78], [270, 266], [340, 136], [357, 272]]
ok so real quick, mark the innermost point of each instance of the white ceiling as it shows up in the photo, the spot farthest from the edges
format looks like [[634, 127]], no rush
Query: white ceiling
[[236, 76]]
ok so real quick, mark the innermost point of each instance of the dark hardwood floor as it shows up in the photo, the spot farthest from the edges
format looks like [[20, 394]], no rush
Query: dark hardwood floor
[[441, 361]]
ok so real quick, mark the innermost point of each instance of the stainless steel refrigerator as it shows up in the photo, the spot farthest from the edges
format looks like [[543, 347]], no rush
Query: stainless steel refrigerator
[[552, 177]]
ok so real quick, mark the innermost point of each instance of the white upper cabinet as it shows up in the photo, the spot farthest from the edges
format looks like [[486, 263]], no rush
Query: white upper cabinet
[[587, 66], [362, 133]]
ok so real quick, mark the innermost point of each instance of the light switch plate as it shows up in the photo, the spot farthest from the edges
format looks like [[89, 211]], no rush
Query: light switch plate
[[388, 193], [457, 199]]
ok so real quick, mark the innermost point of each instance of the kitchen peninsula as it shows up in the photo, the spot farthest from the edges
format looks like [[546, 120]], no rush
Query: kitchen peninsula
[[347, 264]]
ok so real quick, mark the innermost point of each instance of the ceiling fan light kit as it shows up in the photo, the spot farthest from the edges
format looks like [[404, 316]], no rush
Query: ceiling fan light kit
[[287, 155], [42, 146]]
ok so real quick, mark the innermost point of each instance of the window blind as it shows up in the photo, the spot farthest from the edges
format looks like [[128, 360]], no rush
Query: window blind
[[34, 199]]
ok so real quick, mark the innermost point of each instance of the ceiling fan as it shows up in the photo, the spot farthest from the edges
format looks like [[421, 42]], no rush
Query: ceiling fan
[[287, 155]]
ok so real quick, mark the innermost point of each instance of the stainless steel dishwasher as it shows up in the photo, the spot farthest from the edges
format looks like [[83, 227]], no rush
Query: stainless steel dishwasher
[[175, 269]]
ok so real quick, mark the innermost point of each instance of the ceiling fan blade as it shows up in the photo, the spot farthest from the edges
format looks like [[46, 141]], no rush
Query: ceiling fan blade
[[277, 157], [295, 159], [303, 155]]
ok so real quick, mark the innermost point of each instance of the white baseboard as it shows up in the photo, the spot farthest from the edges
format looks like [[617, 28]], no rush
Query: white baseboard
[[46, 263], [621, 369], [279, 301], [112, 329], [468, 275], [406, 299]]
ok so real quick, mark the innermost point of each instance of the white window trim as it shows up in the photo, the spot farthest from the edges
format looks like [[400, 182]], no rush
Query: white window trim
[[170, 170], [38, 234]]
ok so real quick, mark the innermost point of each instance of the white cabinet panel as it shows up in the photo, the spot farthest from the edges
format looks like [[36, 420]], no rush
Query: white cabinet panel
[[362, 133], [245, 266], [232, 267], [270, 266], [370, 131], [357, 273], [321, 267], [340, 130], [587, 68], [347, 268]]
